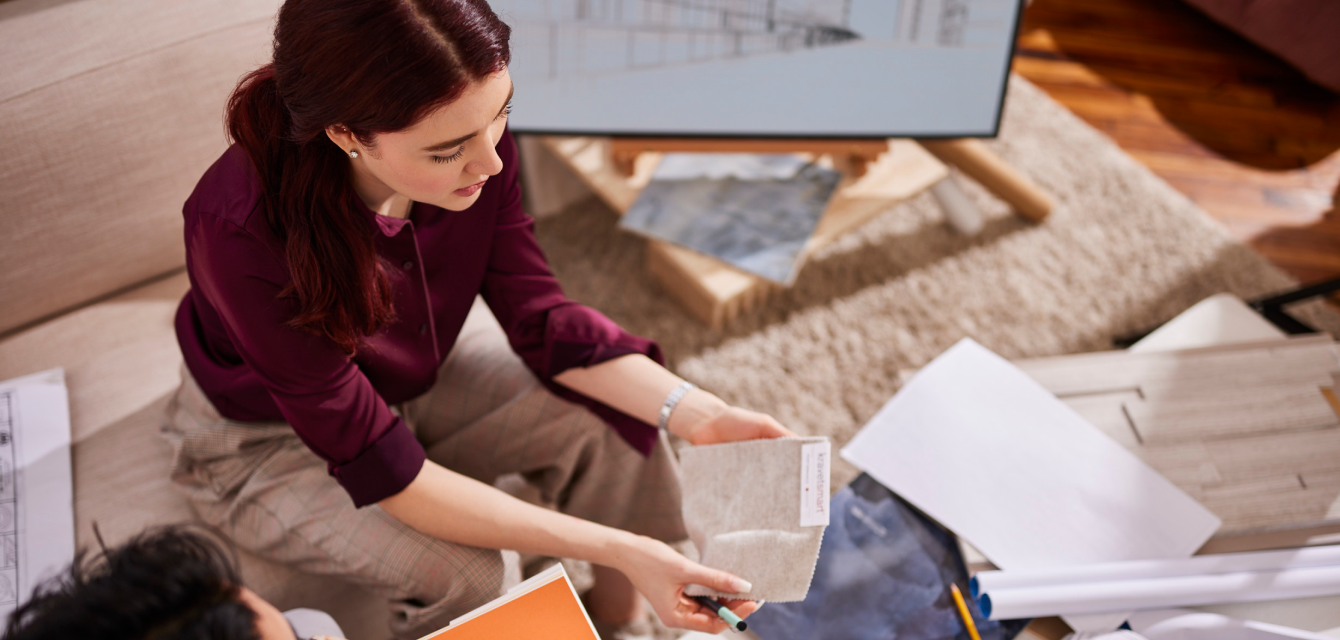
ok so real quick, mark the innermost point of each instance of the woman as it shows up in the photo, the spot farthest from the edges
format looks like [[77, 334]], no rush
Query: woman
[[339, 413]]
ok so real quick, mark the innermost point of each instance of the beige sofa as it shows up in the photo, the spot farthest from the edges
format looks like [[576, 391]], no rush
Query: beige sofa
[[109, 111]]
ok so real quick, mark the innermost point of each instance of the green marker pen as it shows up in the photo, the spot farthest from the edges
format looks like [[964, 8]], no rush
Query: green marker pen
[[722, 612]]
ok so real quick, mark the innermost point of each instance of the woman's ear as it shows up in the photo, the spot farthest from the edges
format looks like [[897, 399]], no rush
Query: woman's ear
[[343, 138]]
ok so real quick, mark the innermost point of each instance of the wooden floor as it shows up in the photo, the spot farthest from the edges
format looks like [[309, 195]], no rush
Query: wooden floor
[[1240, 132]]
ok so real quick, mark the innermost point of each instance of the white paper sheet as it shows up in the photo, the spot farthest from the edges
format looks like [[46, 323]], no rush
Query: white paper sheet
[[1181, 624], [36, 492], [988, 452]]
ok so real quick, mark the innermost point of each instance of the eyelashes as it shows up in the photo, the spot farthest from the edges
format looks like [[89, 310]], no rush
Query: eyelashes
[[507, 110], [455, 156]]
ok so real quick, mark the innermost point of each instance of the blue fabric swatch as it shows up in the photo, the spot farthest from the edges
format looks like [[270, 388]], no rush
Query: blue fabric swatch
[[884, 573]]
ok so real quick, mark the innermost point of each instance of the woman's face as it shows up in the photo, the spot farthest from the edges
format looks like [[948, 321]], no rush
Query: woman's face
[[444, 159]]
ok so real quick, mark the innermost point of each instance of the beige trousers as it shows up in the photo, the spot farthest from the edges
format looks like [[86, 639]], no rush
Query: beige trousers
[[487, 416]]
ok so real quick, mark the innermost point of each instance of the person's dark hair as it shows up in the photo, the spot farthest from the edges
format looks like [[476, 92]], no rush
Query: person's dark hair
[[164, 584], [373, 66]]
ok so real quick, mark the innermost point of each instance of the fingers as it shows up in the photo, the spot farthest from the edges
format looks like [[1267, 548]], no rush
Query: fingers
[[719, 580], [704, 621], [768, 427], [690, 615], [756, 426], [742, 608], [778, 431], [735, 425]]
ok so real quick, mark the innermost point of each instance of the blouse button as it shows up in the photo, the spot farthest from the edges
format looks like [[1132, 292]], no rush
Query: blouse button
[[423, 328], [409, 264]]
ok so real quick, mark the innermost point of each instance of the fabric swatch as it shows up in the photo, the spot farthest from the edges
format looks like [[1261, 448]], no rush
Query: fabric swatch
[[758, 509], [754, 211]]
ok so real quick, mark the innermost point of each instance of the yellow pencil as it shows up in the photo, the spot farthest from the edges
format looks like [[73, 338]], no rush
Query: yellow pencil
[[963, 611]]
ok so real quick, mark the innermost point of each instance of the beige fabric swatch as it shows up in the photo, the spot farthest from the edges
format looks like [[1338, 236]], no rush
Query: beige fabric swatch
[[743, 510]]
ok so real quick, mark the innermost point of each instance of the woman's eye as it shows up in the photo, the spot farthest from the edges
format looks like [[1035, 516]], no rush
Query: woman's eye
[[507, 110], [455, 156]]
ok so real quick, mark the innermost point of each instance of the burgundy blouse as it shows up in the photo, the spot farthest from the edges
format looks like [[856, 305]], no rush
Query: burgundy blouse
[[231, 324]]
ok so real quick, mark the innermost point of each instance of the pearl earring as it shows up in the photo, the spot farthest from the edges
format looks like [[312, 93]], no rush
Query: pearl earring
[[353, 154]]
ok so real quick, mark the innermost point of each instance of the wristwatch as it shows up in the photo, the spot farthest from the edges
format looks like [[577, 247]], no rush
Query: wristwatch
[[677, 394]]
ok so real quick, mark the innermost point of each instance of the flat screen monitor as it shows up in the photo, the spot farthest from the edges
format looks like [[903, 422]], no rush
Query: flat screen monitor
[[760, 68]]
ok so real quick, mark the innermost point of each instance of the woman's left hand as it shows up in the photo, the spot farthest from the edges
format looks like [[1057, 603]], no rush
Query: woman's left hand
[[734, 424]]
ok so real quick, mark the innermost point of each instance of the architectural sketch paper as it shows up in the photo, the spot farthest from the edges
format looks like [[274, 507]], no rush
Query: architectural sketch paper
[[1182, 624], [879, 68], [1084, 598], [991, 454], [987, 581], [753, 211], [36, 489]]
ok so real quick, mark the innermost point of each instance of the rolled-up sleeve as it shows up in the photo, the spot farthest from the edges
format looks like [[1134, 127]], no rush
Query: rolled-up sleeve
[[319, 390], [550, 332]]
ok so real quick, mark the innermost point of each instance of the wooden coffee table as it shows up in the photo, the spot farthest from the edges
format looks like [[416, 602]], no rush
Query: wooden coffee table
[[877, 174]]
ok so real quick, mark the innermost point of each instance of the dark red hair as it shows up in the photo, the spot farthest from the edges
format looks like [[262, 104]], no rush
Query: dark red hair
[[373, 66]]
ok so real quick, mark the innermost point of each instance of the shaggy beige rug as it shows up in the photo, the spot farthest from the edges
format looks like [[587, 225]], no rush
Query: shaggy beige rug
[[1122, 252]]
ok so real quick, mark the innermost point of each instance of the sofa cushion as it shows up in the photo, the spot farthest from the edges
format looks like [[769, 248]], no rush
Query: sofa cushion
[[119, 355], [121, 484], [110, 111], [1300, 31], [121, 365]]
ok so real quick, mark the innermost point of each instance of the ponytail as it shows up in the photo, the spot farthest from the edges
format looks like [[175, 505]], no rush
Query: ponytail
[[341, 286], [372, 66]]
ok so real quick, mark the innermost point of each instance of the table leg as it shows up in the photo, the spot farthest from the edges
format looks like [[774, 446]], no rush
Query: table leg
[[979, 162]]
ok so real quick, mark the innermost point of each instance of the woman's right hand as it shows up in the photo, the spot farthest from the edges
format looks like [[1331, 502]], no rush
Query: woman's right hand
[[660, 574]]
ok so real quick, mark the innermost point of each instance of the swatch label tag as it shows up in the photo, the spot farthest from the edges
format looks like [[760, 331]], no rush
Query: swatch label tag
[[815, 460]]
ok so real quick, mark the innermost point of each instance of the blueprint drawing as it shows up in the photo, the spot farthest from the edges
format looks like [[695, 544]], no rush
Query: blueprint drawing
[[36, 485]]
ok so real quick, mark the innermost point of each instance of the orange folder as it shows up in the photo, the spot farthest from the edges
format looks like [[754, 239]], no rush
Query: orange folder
[[545, 606]]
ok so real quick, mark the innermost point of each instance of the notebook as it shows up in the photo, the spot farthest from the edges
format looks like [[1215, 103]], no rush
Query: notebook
[[545, 606]]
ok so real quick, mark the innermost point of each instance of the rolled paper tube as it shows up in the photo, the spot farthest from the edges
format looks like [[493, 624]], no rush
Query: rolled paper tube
[[1159, 593], [988, 581]]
